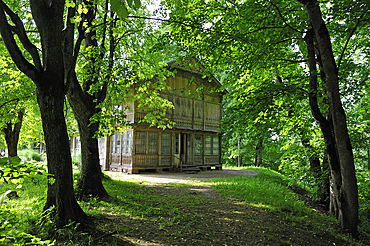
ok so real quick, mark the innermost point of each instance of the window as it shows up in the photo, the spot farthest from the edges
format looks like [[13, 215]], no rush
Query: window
[[124, 143], [152, 143], [212, 145], [215, 145], [208, 145], [116, 143], [177, 143], [198, 144], [129, 142], [113, 146], [166, 143], [144, 140], [140, 142]]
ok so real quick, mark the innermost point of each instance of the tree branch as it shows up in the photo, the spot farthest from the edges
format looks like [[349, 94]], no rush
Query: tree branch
[[282, 18], [12, 47], [350, 36], [22, 34]]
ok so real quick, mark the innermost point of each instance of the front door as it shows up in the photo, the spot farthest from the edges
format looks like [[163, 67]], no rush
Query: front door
[[187, 149]]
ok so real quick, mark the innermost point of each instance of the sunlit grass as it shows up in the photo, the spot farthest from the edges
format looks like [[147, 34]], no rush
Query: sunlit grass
[[268, 190]]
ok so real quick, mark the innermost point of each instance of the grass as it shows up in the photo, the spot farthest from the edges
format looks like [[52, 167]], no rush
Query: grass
[[138, 211], [270, 191]]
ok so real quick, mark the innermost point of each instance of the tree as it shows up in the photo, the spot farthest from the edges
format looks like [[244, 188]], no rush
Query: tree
[[84, 103], [51, 76], [16, 91], [343, 176]]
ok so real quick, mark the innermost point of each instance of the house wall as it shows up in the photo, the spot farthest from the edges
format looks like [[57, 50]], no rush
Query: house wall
[[193, 110]]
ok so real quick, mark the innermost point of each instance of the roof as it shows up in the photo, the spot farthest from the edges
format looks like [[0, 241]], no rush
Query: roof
[[190, 66]]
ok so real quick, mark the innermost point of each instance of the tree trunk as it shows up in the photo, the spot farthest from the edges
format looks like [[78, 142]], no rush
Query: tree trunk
[[90, 180], [343, 178], [12, 132], [259, 147], [60, 193], [324, 193], [239, 156]]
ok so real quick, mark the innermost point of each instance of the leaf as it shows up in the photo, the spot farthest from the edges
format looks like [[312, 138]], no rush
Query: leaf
[[15, 160], [70, 3], [4, 160], [137, 4], [120, 8]]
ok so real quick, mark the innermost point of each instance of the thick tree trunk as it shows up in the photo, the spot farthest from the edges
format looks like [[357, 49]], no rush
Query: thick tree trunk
[[90, 180], [60, 187], [12, 132], [343, 178]]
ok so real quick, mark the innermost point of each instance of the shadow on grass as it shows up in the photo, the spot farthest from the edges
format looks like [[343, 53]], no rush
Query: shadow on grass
[[191, 214]]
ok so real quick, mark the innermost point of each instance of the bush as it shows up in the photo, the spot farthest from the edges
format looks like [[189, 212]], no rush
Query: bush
[[29, 155]]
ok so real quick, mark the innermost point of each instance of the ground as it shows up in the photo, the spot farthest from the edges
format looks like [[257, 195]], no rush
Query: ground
[[210, 218]]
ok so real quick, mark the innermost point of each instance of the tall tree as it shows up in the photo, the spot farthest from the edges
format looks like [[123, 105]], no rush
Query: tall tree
[[343, 176], [50, 75], [84, 102]]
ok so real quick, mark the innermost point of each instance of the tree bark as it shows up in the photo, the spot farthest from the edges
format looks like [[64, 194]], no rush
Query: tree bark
[[90, 180], [60, 193], [343, 176], [12, 132]]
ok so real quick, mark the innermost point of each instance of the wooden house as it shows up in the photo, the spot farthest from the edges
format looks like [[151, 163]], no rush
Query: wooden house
[[193, 141]]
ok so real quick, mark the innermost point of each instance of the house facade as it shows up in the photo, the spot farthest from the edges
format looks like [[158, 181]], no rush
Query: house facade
[[193, 141]]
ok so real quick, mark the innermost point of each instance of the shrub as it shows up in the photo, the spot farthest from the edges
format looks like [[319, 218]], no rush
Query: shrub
[[29, 155]]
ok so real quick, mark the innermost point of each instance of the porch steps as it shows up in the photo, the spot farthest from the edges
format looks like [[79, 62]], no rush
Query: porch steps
[[191, 169]]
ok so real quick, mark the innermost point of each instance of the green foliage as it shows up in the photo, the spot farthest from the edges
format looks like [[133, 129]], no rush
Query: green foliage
[[17, 215], [17, 94], [76, 159], [363, 181], [121, 7], [29, 155], [14, 171]]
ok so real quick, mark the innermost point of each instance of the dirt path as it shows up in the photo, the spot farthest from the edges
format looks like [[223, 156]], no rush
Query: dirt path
[[200, 216], [169, 177]]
